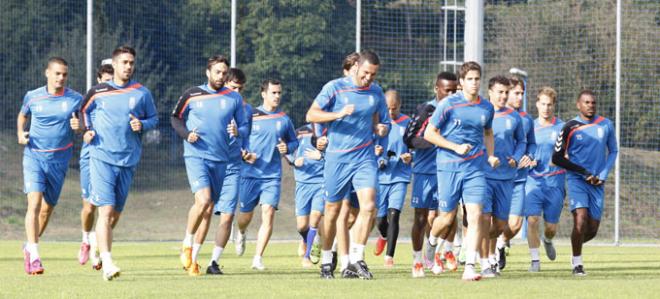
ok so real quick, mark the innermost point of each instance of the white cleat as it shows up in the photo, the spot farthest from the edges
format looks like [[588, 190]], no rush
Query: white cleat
[[470, 275], [110, 272], [240, 244], [418, 270], [258, 264], [488, 273]]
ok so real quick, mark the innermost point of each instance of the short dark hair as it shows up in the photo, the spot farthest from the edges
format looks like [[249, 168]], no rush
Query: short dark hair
[[58, 60], [268, 82], [467, 67], [449, 76], [516, 81], [499, 79], [369, 56], [586, 92], [350, 60], [216, 59], [123, 49], [236, 75], [105, 69]]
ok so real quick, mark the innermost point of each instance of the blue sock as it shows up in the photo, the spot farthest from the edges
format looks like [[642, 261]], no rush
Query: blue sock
[[310, 240]]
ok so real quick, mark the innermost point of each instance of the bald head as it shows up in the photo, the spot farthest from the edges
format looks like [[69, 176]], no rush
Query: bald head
[[393, 101]]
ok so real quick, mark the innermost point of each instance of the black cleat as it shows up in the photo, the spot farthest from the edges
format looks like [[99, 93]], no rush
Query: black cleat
[[333, 265], [361, 269], [327, 272], [214, 269], [349, 273], [579, 271], [502, 261]]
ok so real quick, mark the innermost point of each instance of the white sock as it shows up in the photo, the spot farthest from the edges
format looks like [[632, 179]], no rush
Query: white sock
[[534, 253], [577, 260], [334, 245], [256, 259], [187, 240], [317, 238], [492, 260], [343, 260], [326, 257], [92, 239], [195, 251], [433, 240], [357, 252], [417, 257], [106, 258], [484, 264], [500, 242], [85, 237], [217, 252], [33, 249], [470, 257], [449, 246]]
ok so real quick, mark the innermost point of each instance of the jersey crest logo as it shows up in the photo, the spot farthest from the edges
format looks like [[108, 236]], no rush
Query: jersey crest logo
[[578, 136], [199, 104], [256, 127], [553, 135], [345, 100], [371, 100], [39, 108], [278, 125], [509, 125], [601, 132], [65, 106], [483, 120], [402, 130], [223, 104], [131, 103]]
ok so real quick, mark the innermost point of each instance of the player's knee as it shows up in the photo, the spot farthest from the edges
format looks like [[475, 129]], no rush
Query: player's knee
[[368, 207], [533, 221]]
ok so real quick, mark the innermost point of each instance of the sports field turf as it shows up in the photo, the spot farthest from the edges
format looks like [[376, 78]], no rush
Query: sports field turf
[[153, 270]]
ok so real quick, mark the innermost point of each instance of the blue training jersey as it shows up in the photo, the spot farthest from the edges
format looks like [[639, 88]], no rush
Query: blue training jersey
[[236, 144], [311, 172], [51, 137], [209, 112], [267, 130], [395, 171], [590, 145], [545, 173], [510, 142], [528, 129], [461, 121], [424, 159], [106, 110], [351, 137]]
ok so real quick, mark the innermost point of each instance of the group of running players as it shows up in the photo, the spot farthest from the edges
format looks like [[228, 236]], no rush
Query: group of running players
[[352, 163]]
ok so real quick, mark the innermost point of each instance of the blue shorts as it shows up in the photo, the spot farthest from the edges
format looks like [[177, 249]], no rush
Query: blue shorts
[[44, 177], [110, 184], [339, 177], [85, 186], [454, 186], [352, 198], [309, 197], [203, 173], [258, 191], [391, 196], [229, 193], [584, 195], [546, 200], [518, 199], [425, 191], [498, 198]]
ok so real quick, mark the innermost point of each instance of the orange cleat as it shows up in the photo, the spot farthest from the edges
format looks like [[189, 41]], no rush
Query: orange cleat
[[380, 246]]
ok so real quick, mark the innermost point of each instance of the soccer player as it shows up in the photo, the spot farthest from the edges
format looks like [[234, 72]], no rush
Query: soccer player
[[393, 178], [273, 135], [425, 183], [353, 108], [545, 186], [104, 74], [510, 146], [115, 113], [48, 148], [199, 117], [515, 101], [587, 148], [461, 128]]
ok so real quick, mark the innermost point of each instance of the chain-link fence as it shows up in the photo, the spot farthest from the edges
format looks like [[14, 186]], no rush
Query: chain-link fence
[[565, 44]]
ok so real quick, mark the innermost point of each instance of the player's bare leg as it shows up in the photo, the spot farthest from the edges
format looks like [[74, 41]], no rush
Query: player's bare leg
[[265, 232], [104, 239], [329, 229], [44, 216], [195, 214]]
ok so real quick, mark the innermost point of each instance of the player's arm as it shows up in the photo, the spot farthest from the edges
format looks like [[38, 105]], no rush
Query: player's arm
[[88, 105], [149, 115], [177, 117], [559, 154], [21, 134], [613, 152], [316, 114], [521, 142], [382, 119], [432, 133], [290, 138], [418, 141], [241, 120], [531, 143]]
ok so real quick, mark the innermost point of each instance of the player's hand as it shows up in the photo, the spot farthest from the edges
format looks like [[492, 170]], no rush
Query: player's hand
[[24, 138], [248, 157], [232, 129], [381, 130], [406, 158], [136, 124], [493, 161], [347, 110], [378, 149], [281, 147], [74, 122], [313, 154], [525, 161], [299, 162], [321, 143], [594, 180], [463, 149], [532, 164], [193, 136], [512, 162], [89, 136]]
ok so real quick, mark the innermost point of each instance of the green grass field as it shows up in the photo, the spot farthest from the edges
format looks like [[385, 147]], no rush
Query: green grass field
[[153, 270]]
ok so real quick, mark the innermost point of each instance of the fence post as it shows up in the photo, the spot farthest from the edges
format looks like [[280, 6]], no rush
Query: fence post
[[90, 40], [358, 24], [617, 91], [474, 31], [233, 34]]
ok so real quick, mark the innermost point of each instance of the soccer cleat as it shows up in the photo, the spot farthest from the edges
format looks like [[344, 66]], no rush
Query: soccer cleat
[[429, 254], [579, 271], [502, 254], [315, 254], [549, 249], [94, 249], [362, 270], [469, 274], [186, 258], [194, 270], [349, 273], [389, 262], [452, 264], [488, 273], [96, 263], [327, 272], [83, 253], [496, 269], [26, 260], [307, 263], [535, 266], [380, 246], [302, 248], [36, 268], [240, 245], [110, 272], [214, 269], [257, 264], [438, 265], [333, 265], [418, 270]]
